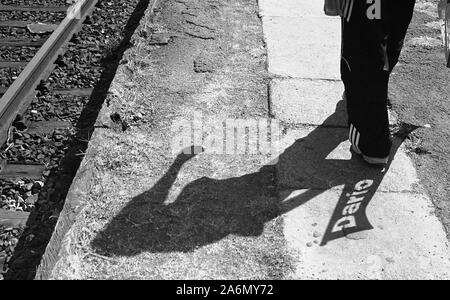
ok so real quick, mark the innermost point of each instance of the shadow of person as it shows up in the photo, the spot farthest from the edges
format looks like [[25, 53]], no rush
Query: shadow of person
[[208, 210]]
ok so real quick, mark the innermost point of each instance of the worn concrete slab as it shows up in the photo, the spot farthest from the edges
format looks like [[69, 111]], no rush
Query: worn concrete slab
[[306, 47], [303, 62], [406, 242], [320, 158], [303, 101], [312, 102], [290, 8], [342, 219], [309, 30]]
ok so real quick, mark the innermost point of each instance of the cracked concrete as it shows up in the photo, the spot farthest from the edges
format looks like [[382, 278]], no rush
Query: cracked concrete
[[374, 224]]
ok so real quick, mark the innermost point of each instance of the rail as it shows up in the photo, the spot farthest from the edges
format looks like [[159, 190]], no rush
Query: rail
[[18, 96]]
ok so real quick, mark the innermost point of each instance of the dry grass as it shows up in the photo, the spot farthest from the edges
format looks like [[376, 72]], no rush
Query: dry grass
[[136, 226]]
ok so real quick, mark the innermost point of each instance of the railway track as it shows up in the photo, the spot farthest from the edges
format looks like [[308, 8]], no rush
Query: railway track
[[54, 56], [18, 95]]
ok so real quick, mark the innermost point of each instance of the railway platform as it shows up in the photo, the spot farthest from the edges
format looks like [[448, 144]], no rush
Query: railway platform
[[222, 153]]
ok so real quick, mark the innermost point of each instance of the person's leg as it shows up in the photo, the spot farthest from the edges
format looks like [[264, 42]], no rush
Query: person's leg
[[364, 71], [399, 19]]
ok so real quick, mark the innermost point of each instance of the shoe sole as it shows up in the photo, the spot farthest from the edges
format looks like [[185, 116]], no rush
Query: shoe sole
[[375, 160], [371, 160]]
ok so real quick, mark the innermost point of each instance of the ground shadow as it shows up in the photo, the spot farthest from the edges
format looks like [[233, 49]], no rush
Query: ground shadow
[[207, 210]]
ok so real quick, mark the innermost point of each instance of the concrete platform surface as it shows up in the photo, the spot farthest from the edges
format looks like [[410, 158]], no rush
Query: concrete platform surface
[[298, 36], [343, 219], [137, 210], [406, 240], [306, 101]]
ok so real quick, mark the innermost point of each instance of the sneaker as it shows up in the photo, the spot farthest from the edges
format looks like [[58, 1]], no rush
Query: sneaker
[[354, 140]]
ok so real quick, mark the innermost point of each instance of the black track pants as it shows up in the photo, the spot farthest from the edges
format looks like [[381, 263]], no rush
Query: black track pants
[[372, 39]]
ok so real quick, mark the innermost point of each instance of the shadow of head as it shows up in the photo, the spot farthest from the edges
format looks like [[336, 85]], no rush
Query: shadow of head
[[208, 210]]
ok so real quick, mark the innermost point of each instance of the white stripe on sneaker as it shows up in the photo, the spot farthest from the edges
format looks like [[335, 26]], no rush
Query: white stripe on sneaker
[[349, 15], [357, 141], [353, 135], [352, 130], [350, 133], [345, 8]]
